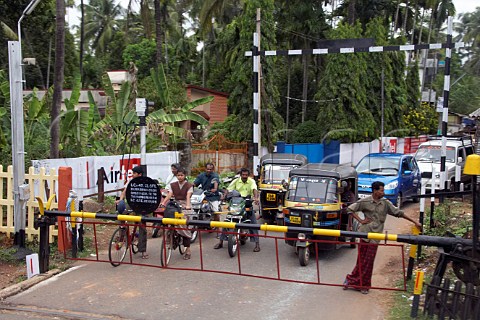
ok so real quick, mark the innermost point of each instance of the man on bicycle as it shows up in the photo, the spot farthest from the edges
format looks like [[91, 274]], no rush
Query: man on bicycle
[[182, 191], [209, 181], [121, 207], [246, 186]]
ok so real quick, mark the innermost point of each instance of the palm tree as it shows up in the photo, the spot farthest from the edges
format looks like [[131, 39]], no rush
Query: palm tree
[[58, 81], [102, 21]]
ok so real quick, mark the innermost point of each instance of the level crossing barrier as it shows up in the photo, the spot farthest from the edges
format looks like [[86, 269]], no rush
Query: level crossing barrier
[[48, 217]]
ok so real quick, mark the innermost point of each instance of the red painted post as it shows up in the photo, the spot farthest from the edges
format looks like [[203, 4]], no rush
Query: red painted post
[[64, 187]]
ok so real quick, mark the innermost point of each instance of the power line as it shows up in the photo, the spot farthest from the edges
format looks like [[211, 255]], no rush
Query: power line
[[315, 101]]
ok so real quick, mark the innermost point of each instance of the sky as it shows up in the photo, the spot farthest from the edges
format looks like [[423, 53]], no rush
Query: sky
[[73, 15]]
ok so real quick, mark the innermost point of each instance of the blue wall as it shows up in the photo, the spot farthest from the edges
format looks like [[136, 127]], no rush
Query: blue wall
[[315, 152]]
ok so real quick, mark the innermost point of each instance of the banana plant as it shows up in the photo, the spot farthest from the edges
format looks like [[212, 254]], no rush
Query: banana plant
[[162, 122], [110, 133]]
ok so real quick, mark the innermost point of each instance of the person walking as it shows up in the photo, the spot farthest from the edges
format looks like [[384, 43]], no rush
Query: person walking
[[375, 209]]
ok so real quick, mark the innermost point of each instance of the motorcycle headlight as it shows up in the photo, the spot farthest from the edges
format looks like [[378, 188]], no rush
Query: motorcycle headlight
[[391, 185], [235, 210]]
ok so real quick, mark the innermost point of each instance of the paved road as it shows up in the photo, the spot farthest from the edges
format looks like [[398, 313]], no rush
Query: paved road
[[95, 290]]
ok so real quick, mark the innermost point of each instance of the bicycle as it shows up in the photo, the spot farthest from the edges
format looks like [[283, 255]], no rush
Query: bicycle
[[121, 240], [172, 239]]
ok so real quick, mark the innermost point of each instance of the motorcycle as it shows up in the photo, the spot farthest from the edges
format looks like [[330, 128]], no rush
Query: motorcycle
[[202, 210], [240, 210]]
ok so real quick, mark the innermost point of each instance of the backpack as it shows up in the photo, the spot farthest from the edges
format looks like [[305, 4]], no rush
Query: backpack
[[171, 208]]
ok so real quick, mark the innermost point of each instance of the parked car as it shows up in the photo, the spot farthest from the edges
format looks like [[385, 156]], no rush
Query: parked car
[[429, 155], [399, 172]]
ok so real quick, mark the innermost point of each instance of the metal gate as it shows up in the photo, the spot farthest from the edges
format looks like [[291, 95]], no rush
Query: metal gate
[[224, 154]]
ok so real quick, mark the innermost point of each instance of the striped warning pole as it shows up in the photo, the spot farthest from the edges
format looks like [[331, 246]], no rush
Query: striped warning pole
[[256, 100], [417, 291], [446, 93], [413, 253]]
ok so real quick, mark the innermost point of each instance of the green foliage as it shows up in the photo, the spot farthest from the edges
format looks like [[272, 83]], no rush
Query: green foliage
[[237, 39], [307, 132], [345, 115], [423, 120], [233, 128], [142, 54], [449, 217], [376, 63], [419, 118], [464, 95]]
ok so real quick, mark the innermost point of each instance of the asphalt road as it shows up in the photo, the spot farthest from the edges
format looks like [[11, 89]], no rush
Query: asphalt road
[[96, 290]]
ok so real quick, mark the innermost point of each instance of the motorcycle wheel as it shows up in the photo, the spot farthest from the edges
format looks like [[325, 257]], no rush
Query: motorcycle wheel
[[233, 243], [303, 256]]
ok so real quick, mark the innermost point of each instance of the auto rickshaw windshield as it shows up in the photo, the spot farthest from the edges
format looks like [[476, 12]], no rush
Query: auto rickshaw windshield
[[275, 174], [312, 190]]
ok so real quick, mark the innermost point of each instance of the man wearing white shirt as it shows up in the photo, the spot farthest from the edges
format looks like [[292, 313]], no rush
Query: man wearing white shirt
[[172, 177]]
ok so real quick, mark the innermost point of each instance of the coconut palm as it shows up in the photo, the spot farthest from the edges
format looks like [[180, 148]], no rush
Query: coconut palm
[[102, 20], [58, 80]]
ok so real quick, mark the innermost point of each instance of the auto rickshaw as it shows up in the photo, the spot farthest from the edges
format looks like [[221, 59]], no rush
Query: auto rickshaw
[[274, 170], [316, 198]]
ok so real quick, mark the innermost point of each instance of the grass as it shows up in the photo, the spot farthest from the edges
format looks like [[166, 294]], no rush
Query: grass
[[449, 217], [402, 303]]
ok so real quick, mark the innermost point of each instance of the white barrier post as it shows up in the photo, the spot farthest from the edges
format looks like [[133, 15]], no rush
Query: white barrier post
[[32, 265]]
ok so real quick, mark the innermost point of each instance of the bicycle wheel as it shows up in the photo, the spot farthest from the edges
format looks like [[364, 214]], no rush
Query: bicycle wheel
[[167, 248], [134, 240], [194, 231], [181, 247], [118, 247]]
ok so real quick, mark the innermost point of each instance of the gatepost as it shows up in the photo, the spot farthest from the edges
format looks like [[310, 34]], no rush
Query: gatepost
[[64, 187]]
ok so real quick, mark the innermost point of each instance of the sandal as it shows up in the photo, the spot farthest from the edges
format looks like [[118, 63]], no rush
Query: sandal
[[187, 256], [144, 256]]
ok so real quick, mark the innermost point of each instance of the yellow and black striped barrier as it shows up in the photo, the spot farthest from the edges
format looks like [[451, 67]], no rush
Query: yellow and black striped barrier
[[417, 291], [445, 242]]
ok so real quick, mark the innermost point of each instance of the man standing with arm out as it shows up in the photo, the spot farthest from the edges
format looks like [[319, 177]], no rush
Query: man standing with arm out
[[246, 186], [375, 208]]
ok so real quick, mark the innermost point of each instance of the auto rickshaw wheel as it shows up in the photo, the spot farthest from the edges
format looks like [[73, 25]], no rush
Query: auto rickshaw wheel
[[303, 256]]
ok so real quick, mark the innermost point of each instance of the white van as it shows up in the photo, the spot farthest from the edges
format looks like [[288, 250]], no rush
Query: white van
[[428, 157]]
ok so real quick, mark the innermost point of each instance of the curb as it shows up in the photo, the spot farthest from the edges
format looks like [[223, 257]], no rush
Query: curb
[[24, 285]]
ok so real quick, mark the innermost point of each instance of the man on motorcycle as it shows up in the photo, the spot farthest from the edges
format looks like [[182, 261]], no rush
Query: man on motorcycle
[[209, 181], [246, 186]]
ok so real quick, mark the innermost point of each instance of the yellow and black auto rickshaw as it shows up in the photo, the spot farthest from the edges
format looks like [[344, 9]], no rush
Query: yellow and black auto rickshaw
[[274, 171], [317, 198]]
